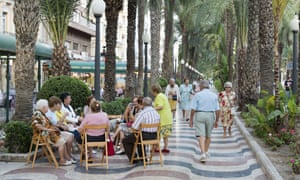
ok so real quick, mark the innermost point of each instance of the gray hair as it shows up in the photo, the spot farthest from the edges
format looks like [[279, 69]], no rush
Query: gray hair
[[147, 101], [172, 79], [204, 84], [40, 104]]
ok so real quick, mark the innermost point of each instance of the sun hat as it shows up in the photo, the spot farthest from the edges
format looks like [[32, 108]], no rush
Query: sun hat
[[228, 84]]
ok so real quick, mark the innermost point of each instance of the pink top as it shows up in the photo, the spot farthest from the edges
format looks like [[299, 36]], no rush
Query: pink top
[[99, 118]]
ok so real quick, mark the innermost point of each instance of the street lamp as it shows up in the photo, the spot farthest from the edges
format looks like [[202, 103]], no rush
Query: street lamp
[[294, 25], [98, 7], [182, 66], [146, 40]]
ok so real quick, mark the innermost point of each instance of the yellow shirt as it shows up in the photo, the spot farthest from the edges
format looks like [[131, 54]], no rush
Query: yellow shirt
[[165, 113], [59, 116]]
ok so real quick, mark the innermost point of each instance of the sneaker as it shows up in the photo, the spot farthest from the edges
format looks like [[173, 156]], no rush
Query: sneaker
[[203, 157], [73, 161], [120, 152], [207, 155], [67, 163]]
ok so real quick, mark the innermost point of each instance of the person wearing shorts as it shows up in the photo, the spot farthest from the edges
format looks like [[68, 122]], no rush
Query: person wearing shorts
[[162, 106], [204, 116]]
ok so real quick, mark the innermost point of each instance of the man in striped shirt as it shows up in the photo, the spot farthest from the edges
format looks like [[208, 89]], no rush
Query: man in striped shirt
[[147, 116]]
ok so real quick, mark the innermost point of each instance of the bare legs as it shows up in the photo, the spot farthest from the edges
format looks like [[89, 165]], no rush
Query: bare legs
[[204, 143], [225, 131], [63, 154], [166, 142]]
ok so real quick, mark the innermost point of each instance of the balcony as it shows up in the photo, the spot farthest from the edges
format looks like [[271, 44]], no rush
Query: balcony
[[82, 24]]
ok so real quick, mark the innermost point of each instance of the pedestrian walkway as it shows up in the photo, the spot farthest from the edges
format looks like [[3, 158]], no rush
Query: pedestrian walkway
[[230, 158]]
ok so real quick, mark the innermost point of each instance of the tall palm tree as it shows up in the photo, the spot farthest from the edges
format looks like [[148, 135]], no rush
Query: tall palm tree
[[278, 10], [112, 9], [26, 20], [168, 64], [266, 45], [56, 15], [155, 15], [241, 11], [141, 21], [248, 93], [130, 76]]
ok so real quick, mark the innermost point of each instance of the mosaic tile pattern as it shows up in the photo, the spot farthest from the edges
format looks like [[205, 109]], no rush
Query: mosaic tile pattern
[[231, 158]]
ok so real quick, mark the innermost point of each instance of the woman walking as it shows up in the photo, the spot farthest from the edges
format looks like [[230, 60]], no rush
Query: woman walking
[[227, 99], [173, 94], [185, 93]]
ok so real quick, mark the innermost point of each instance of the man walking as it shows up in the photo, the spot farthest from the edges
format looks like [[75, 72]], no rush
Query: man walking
[[205, 107]]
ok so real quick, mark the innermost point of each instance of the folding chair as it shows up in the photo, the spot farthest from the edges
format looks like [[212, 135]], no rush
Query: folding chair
[[86, 144], [140, 141], [39, 140]]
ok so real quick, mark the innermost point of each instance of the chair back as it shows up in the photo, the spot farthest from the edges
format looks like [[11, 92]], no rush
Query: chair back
[[95, 127]]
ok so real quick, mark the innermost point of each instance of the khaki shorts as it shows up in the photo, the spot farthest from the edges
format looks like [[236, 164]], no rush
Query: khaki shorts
[[204, 123], [64, 136]]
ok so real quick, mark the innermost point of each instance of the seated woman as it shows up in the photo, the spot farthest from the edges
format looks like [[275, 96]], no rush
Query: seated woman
[[96, 117], [41, 124], [87, 107], [130, 114]]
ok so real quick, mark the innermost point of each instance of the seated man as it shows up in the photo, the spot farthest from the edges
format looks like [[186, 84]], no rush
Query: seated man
[[147, 116], [41, 124]]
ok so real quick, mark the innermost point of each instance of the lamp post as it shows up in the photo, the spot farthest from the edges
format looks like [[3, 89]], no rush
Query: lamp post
[[146, 41], [294, 24], [182, 66], [98, 9]]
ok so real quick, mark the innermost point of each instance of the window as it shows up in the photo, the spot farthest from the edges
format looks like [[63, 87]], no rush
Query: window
[[84, 48], [4, 19], [75, 46]]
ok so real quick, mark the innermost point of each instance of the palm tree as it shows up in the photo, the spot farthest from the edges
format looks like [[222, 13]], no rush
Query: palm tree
[[26, 20], [266, 45], [130, 76], [112, 9], [278, 10], [155, 15], [168, 63], [248, 91], [56, 15]]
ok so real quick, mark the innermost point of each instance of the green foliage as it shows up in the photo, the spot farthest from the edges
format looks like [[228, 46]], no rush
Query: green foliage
[[163, 82], [218, 84], [115, 107], [273, 141], [18, 136], [55, 86]]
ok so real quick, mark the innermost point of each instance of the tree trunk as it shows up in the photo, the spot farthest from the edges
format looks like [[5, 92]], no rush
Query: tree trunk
[[130, 76], [168, 63], [298, 93], [141, 20], [242, 55], [230, 35], [60, 61], [26, 20], [112, 14], [184, 47], [155, 42], [266, 52], [250, 77]]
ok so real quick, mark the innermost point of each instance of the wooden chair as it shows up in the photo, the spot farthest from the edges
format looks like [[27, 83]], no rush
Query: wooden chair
[[39, 140], [85, 145], [152, 142]]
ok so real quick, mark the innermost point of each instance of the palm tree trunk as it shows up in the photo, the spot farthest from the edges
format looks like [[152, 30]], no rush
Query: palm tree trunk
[[230, 35], [112, 14], [248, 88], [168, 64], [60, 61], [155, 40], [26, 20], [130, 76], [141, 19], [184, 47], [298, 93], [266, 53]]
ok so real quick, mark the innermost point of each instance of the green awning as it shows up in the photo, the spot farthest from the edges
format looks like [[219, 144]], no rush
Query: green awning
[[8, 47], [89, 66]]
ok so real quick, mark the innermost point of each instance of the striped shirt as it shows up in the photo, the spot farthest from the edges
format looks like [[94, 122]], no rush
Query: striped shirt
[[147, 116]]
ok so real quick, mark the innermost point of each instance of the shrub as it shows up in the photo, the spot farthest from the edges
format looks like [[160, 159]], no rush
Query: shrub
[[218, 84], [273, 140], [18, 136], [55, 86], [115, 107], [163, 82]]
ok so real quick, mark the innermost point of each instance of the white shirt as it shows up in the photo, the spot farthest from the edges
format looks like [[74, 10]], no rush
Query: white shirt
[[52, 117], [71, 116]]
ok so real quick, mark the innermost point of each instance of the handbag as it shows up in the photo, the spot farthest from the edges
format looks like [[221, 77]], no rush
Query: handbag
[[174, 97], [110, 147]]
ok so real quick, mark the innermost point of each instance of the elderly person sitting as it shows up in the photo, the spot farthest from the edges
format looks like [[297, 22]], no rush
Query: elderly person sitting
[[147, 116], [41, 124]]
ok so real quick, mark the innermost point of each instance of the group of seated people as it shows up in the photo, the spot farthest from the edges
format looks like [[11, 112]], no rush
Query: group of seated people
[[55, 118]]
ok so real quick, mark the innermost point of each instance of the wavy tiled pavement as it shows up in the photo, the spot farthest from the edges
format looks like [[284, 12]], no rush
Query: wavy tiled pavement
[[231, 158]]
